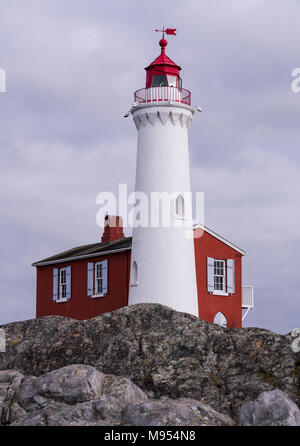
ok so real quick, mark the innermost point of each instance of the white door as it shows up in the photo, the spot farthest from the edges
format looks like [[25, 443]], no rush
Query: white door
[[220, 319]]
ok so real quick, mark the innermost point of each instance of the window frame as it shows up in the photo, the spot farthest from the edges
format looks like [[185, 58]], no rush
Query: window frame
[[96, 279], [60, 297], [134, 275], [180, 207], [172, 83], [223, 291], [161, 76], [93, 277]]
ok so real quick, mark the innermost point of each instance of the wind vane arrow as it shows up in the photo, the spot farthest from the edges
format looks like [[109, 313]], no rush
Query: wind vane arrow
[[169, 31]]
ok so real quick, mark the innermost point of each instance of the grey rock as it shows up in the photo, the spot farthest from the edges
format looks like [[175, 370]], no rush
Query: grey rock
[[271, 408], [168, 412], [60, 414], [10, 382], [76, 395], [79, 395], [164, 352], [71, 384], [50, 400], [118, 392]]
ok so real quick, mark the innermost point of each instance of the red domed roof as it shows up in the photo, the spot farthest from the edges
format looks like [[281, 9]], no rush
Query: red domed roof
[[163, 59]]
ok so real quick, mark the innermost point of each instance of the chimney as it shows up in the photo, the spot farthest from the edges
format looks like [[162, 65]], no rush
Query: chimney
[[113, 229]]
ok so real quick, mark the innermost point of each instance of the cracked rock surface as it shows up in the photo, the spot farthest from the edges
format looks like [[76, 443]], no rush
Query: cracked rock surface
[[167, 354], [271, 408], [79, 395]]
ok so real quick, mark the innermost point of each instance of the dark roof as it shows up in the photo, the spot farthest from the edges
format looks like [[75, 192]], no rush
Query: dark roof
[[88, 250], [120, 244]]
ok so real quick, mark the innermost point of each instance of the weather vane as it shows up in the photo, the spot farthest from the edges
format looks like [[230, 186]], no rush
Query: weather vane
[[169, 31]]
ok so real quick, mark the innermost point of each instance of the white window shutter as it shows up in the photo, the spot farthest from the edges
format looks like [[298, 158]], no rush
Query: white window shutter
[[104, 276], [90, 282], [68, 277], [210, 275], [230, 276], [55, 284]]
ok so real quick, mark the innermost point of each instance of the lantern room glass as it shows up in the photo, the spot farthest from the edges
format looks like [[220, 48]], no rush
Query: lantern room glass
[[159, 80], [172, 80]]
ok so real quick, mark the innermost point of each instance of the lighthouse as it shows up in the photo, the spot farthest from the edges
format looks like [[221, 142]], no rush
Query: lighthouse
[[163, 257]]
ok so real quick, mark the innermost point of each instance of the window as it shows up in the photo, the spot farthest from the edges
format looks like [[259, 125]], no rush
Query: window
[[97, 278], [134, 275], [179, 205], [159, 80], [172, 80], [219, 275], [62, 284]]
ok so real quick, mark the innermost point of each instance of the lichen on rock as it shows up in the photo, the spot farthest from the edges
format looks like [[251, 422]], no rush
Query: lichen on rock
[[167, 354]]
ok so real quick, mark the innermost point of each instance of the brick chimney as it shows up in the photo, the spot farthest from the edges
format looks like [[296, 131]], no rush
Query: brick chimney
[[113, 228]]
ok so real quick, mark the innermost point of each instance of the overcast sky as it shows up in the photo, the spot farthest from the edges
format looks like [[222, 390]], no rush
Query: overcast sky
[[72, 67]]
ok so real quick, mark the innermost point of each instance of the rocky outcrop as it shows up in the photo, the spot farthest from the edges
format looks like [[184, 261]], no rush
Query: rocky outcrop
[[165, 353], [10, 383], [79, 395], [271, 408], [168, 412]]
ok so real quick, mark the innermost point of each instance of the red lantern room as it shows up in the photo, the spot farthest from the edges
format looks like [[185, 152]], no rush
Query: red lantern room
[[163, 72], [163, 81]]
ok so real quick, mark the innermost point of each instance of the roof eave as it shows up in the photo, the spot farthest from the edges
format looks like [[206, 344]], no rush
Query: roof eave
[[219, 237], [112, 251], [163, 63], [84, 256]]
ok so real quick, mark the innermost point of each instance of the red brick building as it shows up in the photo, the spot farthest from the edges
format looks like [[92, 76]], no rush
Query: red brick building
[[89, 280]]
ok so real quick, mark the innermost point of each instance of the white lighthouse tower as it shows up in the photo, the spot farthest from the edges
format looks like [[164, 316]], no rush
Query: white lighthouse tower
[[163, 258]]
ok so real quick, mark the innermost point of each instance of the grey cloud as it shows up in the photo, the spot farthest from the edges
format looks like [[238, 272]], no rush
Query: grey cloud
[[72, 68]]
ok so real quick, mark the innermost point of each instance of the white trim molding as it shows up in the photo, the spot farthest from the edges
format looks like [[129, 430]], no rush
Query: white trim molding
[[220, 293], [219, 237]]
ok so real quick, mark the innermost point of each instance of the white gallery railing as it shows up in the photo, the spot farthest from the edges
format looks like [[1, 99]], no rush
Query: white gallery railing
[[163, 94]]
